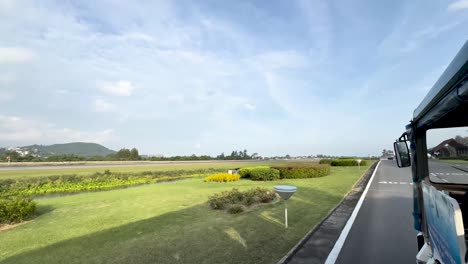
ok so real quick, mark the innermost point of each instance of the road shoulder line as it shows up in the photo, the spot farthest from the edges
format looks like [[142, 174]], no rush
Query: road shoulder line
[[333, 256]]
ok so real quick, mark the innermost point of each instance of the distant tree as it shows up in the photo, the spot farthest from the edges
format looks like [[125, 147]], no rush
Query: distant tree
[[461, 140], [134, 154], [244, 154]]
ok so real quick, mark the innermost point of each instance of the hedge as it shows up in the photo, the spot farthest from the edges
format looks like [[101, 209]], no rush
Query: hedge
[[301, 172], [264, 174], [325, 161], [347, 162], [245, 172], [15, 209]]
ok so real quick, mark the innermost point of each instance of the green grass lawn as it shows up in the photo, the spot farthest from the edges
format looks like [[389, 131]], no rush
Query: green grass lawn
[[171, 223]]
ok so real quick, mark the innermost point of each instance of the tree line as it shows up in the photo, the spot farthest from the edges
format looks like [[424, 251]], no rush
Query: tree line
[[124, 154], [121, 155]]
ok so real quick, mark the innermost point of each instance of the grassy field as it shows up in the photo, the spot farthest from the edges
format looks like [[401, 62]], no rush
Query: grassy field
[[171, 223], [31, 172]]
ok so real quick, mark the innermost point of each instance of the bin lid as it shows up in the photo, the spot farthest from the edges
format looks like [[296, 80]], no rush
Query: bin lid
[[285, 191], [285, 188]]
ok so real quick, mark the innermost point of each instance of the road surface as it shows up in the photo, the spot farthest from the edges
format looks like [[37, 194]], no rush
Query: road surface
[[442, 172], [383, 229]]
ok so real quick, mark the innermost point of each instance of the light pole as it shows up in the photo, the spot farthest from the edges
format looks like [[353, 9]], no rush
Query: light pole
[[285, 192], [359, 163]]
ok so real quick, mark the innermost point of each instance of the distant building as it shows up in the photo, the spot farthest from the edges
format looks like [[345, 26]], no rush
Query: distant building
[[449, 148]]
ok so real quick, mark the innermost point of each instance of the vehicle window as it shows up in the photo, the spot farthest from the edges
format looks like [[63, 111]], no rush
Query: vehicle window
[[447, 151]]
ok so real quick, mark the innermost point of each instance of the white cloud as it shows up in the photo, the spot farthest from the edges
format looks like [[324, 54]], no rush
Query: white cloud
[[458, 5], [101, 105], [119, 88], [18, 130], [15, 55], [249, 106]]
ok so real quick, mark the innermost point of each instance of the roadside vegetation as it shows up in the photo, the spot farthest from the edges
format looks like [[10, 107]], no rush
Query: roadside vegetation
[[222, 177], [172, 223], [235, 201], [343, 162]]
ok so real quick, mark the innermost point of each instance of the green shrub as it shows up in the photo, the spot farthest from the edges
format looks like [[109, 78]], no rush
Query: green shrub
[[235, 201], [347, 162], [246, 172], [222, 177], [325, 161], [264, 174], [15, 209], [236, 208], [303, 171]]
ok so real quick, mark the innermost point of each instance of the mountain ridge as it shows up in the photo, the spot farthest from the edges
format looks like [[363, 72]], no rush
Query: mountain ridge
[[76, 148]]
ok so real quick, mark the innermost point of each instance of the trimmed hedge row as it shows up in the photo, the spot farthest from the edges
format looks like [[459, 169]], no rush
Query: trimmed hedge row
[[14, 209], [325, 161], [295, 171], [260, 173], [347, 162], [301, 172]]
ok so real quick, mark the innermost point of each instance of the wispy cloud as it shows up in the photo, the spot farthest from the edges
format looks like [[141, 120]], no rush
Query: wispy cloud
[[20, 130], [458, 5], [14, 55], [119, 88]]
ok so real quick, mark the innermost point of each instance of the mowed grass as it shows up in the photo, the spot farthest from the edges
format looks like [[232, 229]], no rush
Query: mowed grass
[[31, 172], [171, 223]]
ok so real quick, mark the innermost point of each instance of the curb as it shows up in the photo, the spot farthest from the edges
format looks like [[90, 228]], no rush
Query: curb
[[357, 188]]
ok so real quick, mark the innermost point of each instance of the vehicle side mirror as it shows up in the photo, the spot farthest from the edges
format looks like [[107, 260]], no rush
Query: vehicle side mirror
[[402, 154]]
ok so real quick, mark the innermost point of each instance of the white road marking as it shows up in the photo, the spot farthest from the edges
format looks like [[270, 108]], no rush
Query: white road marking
[[402, 183], [333, 256]]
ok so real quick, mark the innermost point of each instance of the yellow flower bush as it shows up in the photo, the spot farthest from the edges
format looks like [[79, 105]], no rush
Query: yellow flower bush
[[222, 177]]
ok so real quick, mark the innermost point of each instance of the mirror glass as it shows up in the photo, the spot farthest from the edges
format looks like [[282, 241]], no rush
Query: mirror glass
[[402, 154], [447, 152]]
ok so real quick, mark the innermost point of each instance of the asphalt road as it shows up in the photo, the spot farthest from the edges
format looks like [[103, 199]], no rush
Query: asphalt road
[[448, 172], [383, 229]]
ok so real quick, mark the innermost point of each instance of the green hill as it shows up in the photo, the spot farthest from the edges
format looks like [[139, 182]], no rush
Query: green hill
[[77, 148]]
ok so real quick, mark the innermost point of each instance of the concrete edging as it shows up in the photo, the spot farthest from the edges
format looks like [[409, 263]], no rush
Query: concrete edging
[[344, 205]]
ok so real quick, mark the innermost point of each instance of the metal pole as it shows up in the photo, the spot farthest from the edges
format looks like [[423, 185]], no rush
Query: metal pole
[[285, 214]]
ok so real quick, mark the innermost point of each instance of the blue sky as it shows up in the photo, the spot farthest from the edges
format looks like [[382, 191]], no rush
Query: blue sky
[[205, 77]]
